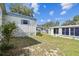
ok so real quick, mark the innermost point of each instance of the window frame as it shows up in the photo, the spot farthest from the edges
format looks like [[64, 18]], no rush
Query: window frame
[[24, 22]]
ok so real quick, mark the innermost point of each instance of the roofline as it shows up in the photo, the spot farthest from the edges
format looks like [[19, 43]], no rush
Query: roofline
[[65, 26], [19, 15]]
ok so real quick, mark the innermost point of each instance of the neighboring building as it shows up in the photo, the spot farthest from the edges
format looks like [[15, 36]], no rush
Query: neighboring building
[[25, 25], [38, 28], [41, 29], [68, 31]]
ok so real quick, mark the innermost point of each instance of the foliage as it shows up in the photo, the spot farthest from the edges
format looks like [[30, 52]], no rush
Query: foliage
[[19, 43], [15, 52], [50, 24], [4, 47], [39, 34], [6, 31], [75, 21], [19, 8], [68, 22]]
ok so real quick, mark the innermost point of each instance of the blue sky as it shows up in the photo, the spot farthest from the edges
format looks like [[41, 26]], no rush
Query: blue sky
[[45, 12]]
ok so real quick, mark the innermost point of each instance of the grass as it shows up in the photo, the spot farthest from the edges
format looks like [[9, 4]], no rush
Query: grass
[[68, 47], [21, 42]]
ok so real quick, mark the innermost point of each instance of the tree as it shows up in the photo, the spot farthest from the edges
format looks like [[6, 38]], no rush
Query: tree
[[68, 22], [57, 23], [50, 24], [6, 30], [75, 21], [19, 8]]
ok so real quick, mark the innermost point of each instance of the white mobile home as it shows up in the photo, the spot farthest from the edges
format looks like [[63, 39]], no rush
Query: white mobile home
[[68, 31], [26, 25]]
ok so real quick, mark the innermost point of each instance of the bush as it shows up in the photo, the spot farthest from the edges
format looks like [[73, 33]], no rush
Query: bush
[[6, 30], [39, 34], [15, 52], [4, 47]]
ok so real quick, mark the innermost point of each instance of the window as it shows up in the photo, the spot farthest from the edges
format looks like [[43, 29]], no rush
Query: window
[[24, 21], [77, 31], [63, 31], [56, 30], [67, 31]]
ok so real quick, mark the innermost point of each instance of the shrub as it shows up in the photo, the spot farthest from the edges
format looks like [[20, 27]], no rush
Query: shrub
[[15, 52], [6, 30], [39, 34], [6, 47]]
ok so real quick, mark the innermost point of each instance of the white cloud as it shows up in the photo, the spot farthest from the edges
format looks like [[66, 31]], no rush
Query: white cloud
[[66, 6], [44, 6], [34, 15], [35, 7], [63, 12], [42, 20], [38, 13], [48, 20], [51, 12]]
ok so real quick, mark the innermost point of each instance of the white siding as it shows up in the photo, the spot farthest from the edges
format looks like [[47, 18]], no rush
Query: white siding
[[51, 32], [23, 29], [60, 31]]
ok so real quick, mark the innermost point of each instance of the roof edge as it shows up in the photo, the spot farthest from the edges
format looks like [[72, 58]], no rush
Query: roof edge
[[20, 15]]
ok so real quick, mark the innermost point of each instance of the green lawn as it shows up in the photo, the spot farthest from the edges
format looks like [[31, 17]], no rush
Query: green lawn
[[68, 47]]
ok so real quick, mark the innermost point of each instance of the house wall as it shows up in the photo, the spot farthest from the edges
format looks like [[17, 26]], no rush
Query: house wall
[[60, 31], [68, 32], [51, 31], [22, 29]]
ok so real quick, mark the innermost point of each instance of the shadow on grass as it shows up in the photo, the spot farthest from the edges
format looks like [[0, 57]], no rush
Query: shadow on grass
[[21, 42]]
